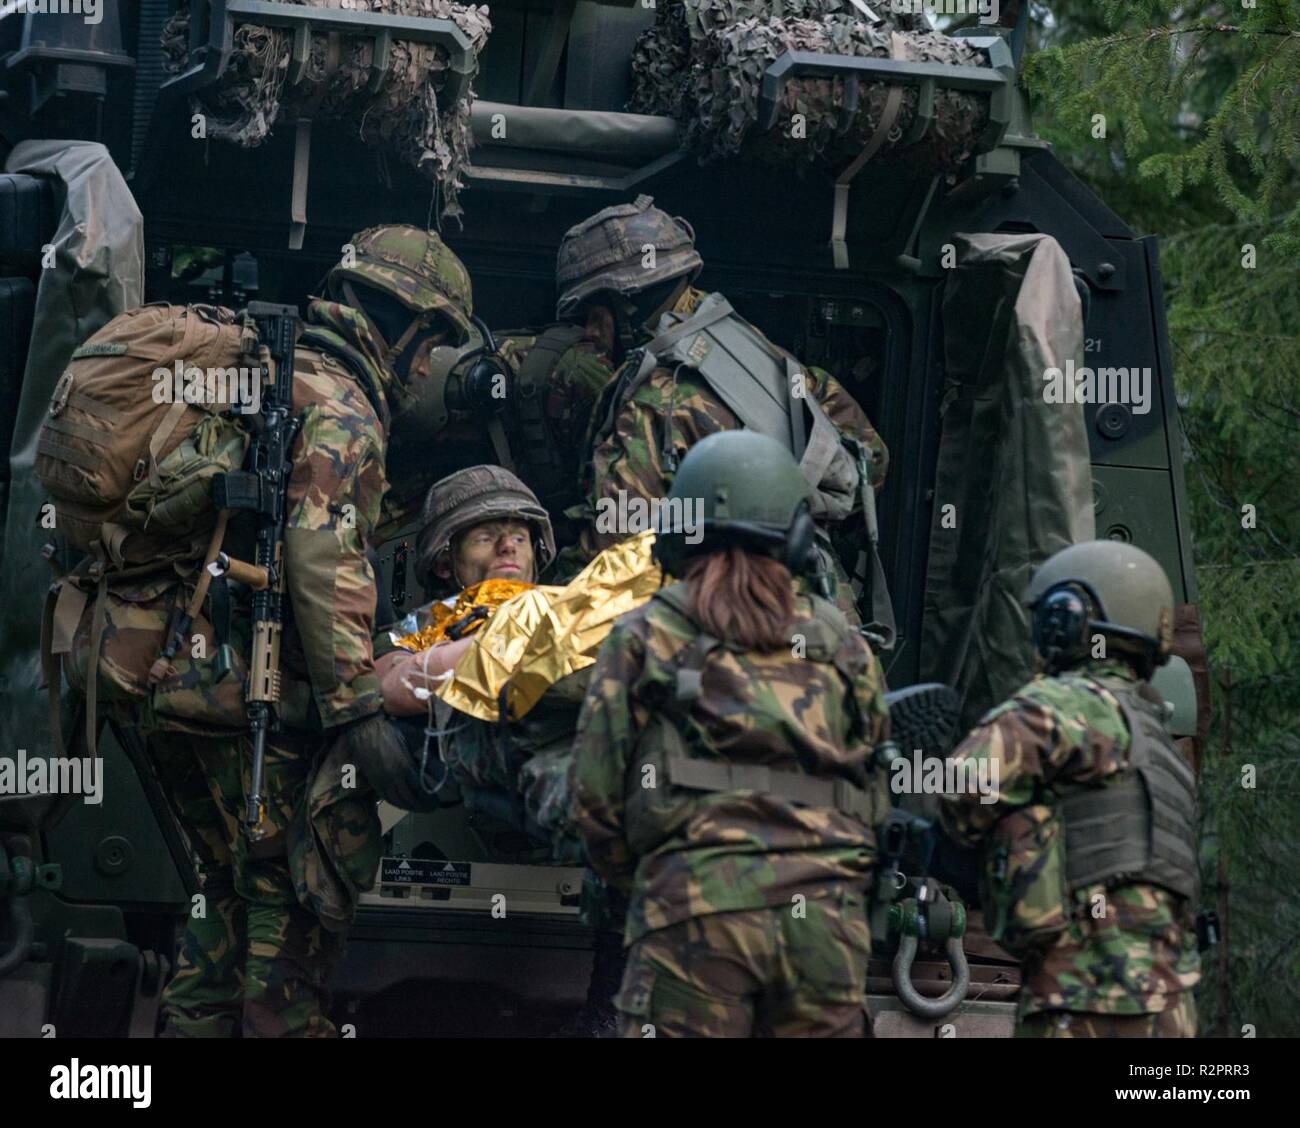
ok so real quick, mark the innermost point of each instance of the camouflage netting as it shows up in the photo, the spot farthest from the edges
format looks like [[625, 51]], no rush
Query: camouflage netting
[[662, 58], [698, 66], [406, 114]]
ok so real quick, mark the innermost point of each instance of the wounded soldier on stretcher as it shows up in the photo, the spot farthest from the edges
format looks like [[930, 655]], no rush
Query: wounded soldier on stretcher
[[485, 540]]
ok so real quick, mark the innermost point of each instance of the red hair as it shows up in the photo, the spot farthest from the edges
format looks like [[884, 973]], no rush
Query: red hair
[[743, 596]]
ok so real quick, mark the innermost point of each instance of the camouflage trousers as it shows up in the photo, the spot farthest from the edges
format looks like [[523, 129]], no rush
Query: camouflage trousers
[[1176, 1022], [758, 973], [252, 960]]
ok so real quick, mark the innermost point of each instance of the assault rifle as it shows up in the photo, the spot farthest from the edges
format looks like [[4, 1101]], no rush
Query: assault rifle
[[260, 488]]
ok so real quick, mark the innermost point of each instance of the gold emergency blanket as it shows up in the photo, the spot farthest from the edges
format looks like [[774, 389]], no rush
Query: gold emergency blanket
[[472, 609], [545, 634]]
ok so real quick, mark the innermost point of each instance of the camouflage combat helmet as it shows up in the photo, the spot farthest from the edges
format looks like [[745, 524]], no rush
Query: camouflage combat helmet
[[736, 488], [470, 497], [1129, 602], [415, 267], [607, 253]]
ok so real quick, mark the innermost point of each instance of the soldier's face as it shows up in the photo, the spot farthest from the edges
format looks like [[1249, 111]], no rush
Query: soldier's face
[[414, 363], [495, 550], [599, 328]]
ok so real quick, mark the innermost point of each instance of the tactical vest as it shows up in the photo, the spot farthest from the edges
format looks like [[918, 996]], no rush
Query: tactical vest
[[683, 768], [1141, 827], [533, 444], [760, 384]]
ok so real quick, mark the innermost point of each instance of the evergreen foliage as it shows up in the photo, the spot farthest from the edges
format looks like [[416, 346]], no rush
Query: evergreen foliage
[[1201, 94], [1202, 146]]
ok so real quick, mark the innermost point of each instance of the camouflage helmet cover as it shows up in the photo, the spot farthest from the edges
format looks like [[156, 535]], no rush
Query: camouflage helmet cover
[[1131, 590], [607, 252], [413, 266], [470, 497]]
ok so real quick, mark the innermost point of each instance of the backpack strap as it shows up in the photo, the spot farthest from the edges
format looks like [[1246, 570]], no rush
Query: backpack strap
[[690, 660], [65, 603], [158, 439], [92, 680], [203, 326], [882, 624], [642, 362], [51, 663]]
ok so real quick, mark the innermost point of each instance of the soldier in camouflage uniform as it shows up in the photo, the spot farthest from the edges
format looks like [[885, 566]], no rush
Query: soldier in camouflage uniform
[[253, 958], [559, 373], [1089, 852], [661, 405], [481, 523], [523, 775], [723, 769]]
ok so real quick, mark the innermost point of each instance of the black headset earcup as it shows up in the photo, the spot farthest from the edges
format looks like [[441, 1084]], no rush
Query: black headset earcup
[[800, 554], [669, 553], [485, 385], [1061, 624]]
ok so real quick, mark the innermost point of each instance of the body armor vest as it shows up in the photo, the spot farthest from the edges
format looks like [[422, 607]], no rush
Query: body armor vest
[[534, 444], [688, 767], [1141, 827], [760, 384]]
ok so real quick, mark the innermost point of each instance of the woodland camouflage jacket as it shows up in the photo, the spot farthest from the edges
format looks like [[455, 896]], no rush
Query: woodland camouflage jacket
[[1054, 735], [686, 853], [333, 499], [630, 461]]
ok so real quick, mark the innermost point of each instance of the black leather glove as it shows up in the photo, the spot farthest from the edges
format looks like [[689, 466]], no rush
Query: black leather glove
[[376, 746]]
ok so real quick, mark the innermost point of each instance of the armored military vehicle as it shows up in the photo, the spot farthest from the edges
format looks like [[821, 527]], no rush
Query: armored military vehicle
[[928, 249]]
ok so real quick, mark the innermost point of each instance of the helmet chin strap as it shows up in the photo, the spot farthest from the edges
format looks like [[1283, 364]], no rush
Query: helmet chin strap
[[392, 353]]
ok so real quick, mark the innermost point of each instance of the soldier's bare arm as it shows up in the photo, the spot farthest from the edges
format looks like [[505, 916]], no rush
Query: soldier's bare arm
[[401, 672]]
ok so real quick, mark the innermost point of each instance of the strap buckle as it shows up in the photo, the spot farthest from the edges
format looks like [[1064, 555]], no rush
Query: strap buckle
[[62, 390], [689, 684]]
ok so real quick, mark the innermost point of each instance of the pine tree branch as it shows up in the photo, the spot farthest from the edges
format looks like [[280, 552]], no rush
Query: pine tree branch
[[1156, 33]]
